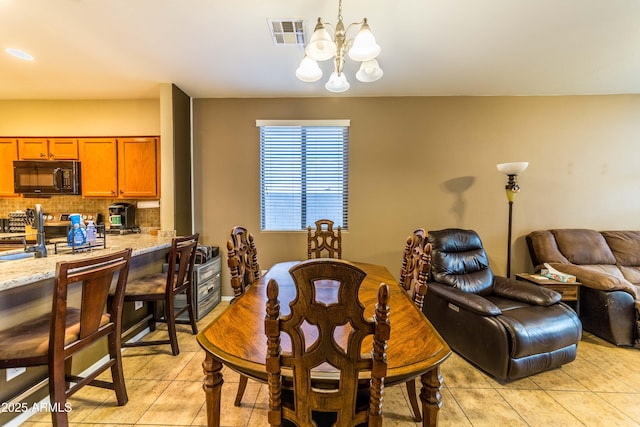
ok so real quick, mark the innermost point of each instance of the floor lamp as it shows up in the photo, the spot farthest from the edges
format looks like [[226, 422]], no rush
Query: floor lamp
[[512, 188]]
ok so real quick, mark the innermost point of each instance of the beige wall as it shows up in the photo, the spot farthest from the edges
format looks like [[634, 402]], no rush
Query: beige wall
[[430, 162], [80, 118]]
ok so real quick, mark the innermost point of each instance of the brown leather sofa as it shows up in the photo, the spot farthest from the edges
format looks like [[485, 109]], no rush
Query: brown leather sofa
[[509, 329], [607, 263]]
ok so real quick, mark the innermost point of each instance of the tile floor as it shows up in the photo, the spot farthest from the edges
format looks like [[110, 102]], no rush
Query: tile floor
[[600, 388]]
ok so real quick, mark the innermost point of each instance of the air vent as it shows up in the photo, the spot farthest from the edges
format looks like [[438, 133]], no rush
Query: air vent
[[287, 31]]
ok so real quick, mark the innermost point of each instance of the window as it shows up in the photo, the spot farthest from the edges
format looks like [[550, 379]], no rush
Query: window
[[303, 173]]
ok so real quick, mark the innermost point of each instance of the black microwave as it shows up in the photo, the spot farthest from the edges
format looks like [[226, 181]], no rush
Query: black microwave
[[46, 177]]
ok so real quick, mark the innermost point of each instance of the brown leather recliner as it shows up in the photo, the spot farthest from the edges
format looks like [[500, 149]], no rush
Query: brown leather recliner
[[507, 328]]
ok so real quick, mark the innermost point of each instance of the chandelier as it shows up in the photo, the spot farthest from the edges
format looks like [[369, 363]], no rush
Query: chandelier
[[362, 48]]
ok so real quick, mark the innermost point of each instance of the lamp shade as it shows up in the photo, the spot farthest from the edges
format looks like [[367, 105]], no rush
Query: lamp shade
[[364, 46], [321, 47], [308, 71], [369, 71], [337, 83], [512, 168]]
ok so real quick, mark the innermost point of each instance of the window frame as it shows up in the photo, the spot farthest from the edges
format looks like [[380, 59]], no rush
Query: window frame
[[303, 191]]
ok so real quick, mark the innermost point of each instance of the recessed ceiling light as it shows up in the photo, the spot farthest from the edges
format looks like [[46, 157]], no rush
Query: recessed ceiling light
[[19, 54]]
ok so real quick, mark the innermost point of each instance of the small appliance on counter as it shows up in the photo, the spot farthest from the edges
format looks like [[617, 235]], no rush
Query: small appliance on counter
[[122, 218]]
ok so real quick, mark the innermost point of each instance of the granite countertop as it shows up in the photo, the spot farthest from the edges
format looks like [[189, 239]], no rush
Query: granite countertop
[[28, 270]]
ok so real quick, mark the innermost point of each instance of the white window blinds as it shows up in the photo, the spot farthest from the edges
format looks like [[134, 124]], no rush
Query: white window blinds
[[303, 173]]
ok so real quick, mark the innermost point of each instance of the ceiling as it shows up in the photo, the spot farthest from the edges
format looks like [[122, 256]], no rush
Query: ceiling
[[115, 49]]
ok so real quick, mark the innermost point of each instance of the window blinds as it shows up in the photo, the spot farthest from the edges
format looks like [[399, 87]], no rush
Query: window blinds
[[303, 174]]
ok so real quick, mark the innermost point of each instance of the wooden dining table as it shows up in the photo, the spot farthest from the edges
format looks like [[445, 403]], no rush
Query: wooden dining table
[[237, 339]]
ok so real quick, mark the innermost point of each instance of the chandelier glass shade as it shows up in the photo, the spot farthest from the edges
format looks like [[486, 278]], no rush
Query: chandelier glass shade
[[321, 47]]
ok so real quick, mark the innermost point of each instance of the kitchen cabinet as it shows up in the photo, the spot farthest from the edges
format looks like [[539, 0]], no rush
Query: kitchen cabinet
[[98, 167], [8, 153], [126, 168], [48, 148], [138, 167]]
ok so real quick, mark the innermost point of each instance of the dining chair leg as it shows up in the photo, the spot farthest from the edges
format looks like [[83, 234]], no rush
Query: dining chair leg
[[170, 317], [117, 374], [242, 385], [57, 392], [153, 307], [413, 399], [192, 312]]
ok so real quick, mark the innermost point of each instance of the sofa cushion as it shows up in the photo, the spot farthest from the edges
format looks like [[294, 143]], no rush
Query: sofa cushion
[[544, 248], [631, 273], [625, 246], [584, 247]]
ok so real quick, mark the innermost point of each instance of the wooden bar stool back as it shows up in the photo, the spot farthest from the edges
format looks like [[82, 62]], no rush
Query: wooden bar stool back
[[54, 338], [324, 241], [163, 287], [326, 326], [242, 259], [416, 261]]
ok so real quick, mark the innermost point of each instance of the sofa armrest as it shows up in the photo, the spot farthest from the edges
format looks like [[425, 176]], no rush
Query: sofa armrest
[[524, 292], [593, 278], [466, 300]]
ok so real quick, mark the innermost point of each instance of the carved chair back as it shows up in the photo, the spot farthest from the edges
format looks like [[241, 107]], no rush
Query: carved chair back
[[324, 240], [242, 260], [326, 326], [416, 263]]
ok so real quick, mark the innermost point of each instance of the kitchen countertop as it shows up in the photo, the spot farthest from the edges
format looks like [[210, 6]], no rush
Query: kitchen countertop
[[28, 270]]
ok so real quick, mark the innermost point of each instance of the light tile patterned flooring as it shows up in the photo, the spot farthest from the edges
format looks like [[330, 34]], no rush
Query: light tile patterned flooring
[[600, 388]]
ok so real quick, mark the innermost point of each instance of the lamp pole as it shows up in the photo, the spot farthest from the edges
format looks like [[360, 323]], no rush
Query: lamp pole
[[509, 239], [511, 189]]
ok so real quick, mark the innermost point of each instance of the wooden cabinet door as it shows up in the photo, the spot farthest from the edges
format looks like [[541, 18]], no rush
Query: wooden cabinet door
[[138, 168], [8, 153], [33, 149], [63, 149], [98, 167]]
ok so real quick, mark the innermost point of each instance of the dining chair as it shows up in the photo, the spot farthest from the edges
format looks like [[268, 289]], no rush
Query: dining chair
[[242, 259], [55, 337], [413, 278], [163, 288], [415, 266], [324, 240], [326, 326]]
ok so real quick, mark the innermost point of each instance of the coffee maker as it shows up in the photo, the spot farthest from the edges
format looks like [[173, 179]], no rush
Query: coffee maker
[[122, 218]]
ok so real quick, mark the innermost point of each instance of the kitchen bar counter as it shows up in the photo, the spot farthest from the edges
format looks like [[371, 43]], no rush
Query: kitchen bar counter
[[25, 271], [26, 287]]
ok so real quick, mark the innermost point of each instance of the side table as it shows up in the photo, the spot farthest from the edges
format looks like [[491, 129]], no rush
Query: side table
[[570, 291]]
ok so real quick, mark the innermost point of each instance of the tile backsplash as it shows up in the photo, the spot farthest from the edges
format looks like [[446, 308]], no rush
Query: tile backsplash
[[70, 204]]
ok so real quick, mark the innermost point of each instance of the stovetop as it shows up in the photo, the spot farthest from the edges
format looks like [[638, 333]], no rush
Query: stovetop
[[62, 219]]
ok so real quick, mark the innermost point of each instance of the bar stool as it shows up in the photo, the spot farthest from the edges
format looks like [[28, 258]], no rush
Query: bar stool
[[53, 338], [163, 287]]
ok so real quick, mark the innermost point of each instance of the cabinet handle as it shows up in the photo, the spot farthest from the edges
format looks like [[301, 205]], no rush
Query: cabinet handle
[[42, 155], [113, 193], [51, 156]]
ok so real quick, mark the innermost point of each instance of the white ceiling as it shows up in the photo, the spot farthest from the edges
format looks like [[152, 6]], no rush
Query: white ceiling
[[109, 49]]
